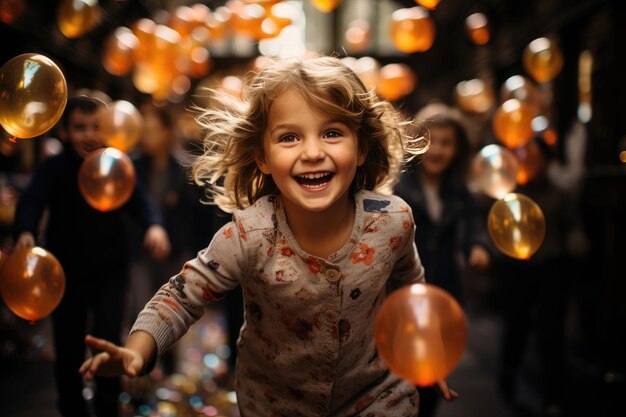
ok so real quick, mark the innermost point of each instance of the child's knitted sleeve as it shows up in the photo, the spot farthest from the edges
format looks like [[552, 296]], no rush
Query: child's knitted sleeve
[[205, 279]]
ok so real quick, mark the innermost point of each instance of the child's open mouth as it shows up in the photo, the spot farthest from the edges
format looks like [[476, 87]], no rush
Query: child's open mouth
[[314, 180]]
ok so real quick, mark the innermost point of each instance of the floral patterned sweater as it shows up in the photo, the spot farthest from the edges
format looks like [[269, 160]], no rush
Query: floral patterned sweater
[[307, 345]]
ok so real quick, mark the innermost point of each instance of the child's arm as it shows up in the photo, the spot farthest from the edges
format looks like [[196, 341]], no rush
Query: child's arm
[[112, 360]]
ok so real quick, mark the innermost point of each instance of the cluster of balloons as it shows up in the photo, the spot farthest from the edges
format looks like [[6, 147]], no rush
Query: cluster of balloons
[[32, 282], [421, 333], [33, 94], [515, 223], [165, 53]]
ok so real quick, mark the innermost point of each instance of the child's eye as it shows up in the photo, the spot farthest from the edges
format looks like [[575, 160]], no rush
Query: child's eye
[[333, 134], [288, 138]]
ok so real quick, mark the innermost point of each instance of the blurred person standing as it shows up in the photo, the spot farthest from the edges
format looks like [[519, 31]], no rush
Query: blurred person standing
[[448, 226], [165, 179], [87, 244], [535, 293]]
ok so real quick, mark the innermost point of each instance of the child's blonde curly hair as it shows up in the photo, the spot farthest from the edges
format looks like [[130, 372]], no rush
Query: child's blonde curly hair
[[236, 128]]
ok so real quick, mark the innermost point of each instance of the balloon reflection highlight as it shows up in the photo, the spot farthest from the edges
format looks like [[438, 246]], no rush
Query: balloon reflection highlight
[[106, 179], [516, 226], [33, 94], [421, 333], [32, 283], [494, 171]]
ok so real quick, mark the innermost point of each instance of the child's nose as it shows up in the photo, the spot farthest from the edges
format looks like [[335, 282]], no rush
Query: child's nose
[[313, 150]]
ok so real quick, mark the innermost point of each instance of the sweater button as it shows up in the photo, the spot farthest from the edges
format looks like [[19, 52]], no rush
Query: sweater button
[[332, 275]]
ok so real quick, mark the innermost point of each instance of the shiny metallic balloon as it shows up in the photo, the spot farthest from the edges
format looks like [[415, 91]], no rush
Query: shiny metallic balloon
[[120, 125], [32, 283], [412, 30], [512, 123], [516, 225], [33, 94], [421, 333], [494, 171], [106, 179], [543, 60], [77, 17]]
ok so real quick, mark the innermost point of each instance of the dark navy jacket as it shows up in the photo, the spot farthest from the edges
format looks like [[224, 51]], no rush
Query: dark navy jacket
[[77, 234], [439, 244]]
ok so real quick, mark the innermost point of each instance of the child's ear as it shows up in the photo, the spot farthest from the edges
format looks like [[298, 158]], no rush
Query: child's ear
[[362, 156], [262, 164]]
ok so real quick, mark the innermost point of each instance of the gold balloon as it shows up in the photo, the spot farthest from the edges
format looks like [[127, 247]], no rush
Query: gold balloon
[[478, 28], [421, 333], [33, 94], [512, 123], [494, 171], [542, 59], [106, 179], [119, 51], [474, 96], [32, 283], [523, 89], [120, 125], [326, 6], [412, 30], [395, 81], [516, 225], [77, 17]]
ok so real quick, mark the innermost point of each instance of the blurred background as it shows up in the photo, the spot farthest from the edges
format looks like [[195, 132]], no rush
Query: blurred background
[[538, 78]]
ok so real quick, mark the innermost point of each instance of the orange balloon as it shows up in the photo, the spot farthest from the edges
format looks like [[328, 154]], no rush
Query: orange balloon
[[119, 51], [325, 6], [516, 225], [395, 81], [106, 179], [474, 96], [512, 123], [120, 125], [77, 17], [421, 333], [144, 31], [33, 94], [32, 283], [478, 28], [412, 30], [542, 59], [429, 4], [523, 89], [494, 171]]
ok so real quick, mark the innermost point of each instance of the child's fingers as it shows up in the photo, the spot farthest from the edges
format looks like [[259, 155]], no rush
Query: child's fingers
[[83, 368], [94, 365], [101, 345]]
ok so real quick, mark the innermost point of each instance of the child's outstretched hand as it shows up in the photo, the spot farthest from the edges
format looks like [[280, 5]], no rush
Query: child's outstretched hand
[[447, 393], [110, 360]]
